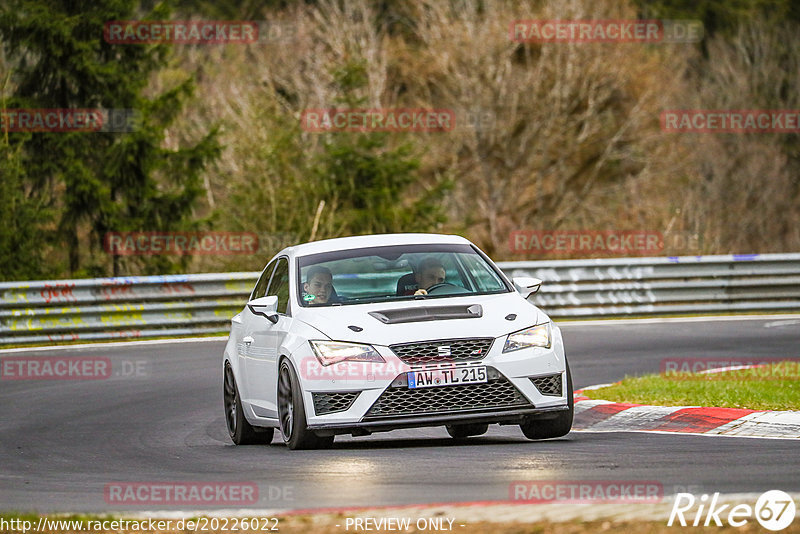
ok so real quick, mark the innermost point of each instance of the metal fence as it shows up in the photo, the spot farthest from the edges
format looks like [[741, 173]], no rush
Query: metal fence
[[181, 305]]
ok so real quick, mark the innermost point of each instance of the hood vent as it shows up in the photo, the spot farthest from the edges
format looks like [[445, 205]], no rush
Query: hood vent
[[428, 313]]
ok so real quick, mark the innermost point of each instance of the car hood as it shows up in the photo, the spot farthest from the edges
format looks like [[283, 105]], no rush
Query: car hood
[[419, 320]]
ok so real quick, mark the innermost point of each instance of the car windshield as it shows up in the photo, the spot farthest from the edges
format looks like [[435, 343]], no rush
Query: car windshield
[[380, 274]]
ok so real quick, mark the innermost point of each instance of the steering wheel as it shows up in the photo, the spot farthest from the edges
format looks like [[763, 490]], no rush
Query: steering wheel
[[434, 287]]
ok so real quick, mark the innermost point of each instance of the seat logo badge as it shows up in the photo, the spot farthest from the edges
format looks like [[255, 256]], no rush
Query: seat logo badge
[[443, 350]]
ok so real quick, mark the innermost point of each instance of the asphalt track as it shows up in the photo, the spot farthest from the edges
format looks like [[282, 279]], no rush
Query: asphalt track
[[61, 442]]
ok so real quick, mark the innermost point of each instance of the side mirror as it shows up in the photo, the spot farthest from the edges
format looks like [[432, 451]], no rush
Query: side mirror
[[265, 307], [526, 285]]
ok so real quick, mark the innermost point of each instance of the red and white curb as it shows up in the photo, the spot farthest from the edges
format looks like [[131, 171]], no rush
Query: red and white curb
[[605, 416]]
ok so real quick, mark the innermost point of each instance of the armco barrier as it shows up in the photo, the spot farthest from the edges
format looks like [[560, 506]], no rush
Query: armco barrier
[[121, 308], [182, 305], [670, 285]]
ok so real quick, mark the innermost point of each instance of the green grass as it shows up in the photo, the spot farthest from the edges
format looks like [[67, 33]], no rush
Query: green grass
[[774, 388]]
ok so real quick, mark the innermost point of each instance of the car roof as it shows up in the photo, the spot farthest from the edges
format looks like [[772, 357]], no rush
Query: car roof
[[376, 240]]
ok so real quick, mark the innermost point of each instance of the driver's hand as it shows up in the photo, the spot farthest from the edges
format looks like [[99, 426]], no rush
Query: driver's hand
[[420, 292]]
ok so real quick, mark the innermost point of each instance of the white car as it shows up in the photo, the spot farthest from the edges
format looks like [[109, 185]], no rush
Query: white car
[[373, 333]]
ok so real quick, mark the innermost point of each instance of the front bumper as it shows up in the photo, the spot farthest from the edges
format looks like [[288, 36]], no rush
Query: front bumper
[[375, 397], [503, 417]]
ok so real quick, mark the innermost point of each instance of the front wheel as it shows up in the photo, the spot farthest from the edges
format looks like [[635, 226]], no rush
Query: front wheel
[[292, 414], [240, 431], [556, 427]]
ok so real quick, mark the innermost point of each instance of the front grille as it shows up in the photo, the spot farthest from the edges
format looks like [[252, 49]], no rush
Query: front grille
[[548, 385], [498, 393], [334, 401], [443, 350]]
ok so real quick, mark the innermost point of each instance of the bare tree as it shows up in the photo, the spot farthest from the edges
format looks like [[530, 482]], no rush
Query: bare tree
[[573, 122], [745, 194]]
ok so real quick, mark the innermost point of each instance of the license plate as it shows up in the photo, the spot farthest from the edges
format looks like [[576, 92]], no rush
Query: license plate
[[446, 377]]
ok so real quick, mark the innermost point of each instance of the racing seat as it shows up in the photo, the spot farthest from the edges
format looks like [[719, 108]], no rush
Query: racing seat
[[407, 285], [334, 297]]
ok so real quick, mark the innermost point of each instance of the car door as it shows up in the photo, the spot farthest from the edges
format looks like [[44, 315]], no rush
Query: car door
[[247, 322], [261, 363]]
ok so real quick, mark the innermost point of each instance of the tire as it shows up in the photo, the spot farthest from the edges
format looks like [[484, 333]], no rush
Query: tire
[[555, 427], [292, 414], [240, 431], [467, 430]]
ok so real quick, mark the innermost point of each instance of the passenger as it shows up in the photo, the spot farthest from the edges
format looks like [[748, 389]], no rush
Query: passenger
[[318, 288]]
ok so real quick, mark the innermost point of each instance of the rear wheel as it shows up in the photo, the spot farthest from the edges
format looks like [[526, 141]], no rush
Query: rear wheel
[[555, 427], [292, 414], [240, 431], [467, 430]]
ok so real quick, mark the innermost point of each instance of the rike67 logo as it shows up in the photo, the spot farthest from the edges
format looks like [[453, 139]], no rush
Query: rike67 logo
[[774, 510]]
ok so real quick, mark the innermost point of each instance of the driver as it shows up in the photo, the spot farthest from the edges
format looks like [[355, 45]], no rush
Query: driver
[[431, 272], [318, 288]]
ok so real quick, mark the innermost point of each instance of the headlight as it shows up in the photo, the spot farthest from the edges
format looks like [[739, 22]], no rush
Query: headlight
[[330, 352], [536, 336]]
